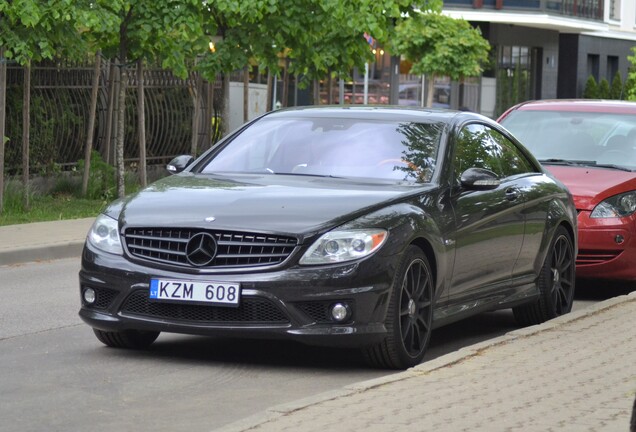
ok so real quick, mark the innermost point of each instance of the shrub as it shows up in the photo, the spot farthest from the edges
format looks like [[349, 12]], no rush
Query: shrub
[[591, 88]]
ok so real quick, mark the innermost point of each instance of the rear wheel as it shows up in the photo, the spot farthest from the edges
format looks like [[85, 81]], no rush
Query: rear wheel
[[556, 283], [134, 339], [409, 315]]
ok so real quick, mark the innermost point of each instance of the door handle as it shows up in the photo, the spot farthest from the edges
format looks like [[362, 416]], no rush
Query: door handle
[[512, 194]]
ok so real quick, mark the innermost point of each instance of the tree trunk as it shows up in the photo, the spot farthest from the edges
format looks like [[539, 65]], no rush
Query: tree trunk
[[268, 98], [113, 74], [225, 105], [316, 92], [195, 93], [91, 123], [141, 123], [119, 151], [285, 86], [430, 90], [26, 120], [3, 104], [246, 94]]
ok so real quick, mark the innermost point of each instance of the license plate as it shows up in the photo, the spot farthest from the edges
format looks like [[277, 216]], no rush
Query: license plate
[[212, 293]]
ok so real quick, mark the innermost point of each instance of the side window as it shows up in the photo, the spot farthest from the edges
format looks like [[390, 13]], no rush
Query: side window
[[513, 161], [476, 149]]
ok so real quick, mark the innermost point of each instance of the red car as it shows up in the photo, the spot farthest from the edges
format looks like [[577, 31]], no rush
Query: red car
[[590, 146]]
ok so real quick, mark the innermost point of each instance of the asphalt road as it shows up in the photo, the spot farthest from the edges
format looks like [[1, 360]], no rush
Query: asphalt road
[[55, 376]]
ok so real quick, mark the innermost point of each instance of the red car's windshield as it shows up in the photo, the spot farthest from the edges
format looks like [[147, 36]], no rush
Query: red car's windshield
[[589, 137]]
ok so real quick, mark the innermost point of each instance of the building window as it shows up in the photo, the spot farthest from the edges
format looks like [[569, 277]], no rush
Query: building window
[[612, 67], [515, 80], [615, 10], [593, 66]]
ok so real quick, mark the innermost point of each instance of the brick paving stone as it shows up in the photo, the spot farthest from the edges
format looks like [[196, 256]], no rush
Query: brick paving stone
[[575, 375]]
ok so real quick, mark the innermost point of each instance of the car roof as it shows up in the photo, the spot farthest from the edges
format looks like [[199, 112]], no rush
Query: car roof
[[372, 112], [579, 105]]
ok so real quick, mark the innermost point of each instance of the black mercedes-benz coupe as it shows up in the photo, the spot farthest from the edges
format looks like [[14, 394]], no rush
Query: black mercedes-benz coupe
[[346, 226]]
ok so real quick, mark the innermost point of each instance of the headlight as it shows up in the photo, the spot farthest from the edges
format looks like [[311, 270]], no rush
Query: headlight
[[617, 206], [341, 246], [104, 235]]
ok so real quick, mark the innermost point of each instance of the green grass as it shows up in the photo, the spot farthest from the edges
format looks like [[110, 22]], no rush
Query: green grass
[[49, 208]]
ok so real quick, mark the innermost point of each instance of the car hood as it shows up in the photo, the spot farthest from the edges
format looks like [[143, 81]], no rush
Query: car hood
[[590, 185], [265, 203]]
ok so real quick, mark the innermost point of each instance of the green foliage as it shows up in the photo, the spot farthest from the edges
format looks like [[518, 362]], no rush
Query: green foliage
[[630, 81], [33, 30], [603, 89], [616, 90], [45, 207], [591, 88], [440, 45], [317, 36], [101, 182]]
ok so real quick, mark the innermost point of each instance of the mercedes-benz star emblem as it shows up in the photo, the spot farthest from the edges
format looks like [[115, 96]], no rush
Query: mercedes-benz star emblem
[[201, 249]]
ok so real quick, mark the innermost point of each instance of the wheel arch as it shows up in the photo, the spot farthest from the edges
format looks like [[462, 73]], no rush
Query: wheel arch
[[427, 248]]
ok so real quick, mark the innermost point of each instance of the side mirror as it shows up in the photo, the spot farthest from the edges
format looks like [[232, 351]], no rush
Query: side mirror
[[479, 179], [179, 163]]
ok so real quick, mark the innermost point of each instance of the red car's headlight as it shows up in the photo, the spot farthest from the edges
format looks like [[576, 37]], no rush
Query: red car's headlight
[[617, 206]]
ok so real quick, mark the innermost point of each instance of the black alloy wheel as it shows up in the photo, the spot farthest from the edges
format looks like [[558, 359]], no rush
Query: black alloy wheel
[[409, 316], [556, 283]]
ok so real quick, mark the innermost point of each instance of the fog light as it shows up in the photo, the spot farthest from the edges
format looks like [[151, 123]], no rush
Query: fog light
[[619, 239], [89, 295], [340, 312]]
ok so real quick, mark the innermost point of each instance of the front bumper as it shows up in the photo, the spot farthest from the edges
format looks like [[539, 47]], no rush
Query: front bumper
[[607, 248], [292, 303]]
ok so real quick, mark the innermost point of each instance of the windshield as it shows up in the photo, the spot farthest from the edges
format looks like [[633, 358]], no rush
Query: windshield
[[333, 147], [581, 137]]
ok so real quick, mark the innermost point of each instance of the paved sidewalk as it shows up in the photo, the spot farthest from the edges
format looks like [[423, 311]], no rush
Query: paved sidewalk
[[574, 373], [42, 240]]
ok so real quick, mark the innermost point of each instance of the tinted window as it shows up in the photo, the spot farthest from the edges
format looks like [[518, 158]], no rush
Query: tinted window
[[333, 147], [479, 146]]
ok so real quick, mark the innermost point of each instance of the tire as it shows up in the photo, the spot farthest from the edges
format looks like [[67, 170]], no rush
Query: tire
[[132, 339], [555, 283], [409, 315]]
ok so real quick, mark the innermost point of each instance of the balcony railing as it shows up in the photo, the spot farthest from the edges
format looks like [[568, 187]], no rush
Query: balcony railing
[[586, 9]]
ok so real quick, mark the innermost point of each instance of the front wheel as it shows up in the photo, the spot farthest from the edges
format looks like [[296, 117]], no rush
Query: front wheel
[[133, 339], [409, 315], [556, 283]]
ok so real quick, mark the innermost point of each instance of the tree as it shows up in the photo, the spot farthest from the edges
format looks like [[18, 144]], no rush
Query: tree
[[630, 81], [138, 32], [438, 45], [603, 89], [316, 37], [31, 31], [616, 91], [591, 88]]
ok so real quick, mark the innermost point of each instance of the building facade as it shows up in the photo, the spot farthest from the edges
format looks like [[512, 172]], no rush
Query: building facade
[[548, 48]]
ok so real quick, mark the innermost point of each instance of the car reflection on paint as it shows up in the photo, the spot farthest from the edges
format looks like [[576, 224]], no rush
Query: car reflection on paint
[[591, 147], [354, 227]]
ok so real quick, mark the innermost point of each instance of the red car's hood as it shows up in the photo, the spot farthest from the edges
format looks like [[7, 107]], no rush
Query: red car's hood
[[590, 185]]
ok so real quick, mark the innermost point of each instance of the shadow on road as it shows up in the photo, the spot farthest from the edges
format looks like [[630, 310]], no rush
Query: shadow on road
[[599, 290], [287, 354]]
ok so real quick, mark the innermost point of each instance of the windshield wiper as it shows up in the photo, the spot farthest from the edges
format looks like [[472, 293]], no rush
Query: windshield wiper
[[567, 162], [613, 166]]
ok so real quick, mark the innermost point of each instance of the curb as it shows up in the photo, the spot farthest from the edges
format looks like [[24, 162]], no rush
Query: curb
[[273, 413], [35, 254]]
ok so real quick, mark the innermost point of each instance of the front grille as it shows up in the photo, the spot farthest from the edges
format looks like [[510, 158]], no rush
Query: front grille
[[588, 257], [234, 249], [251, 310]]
